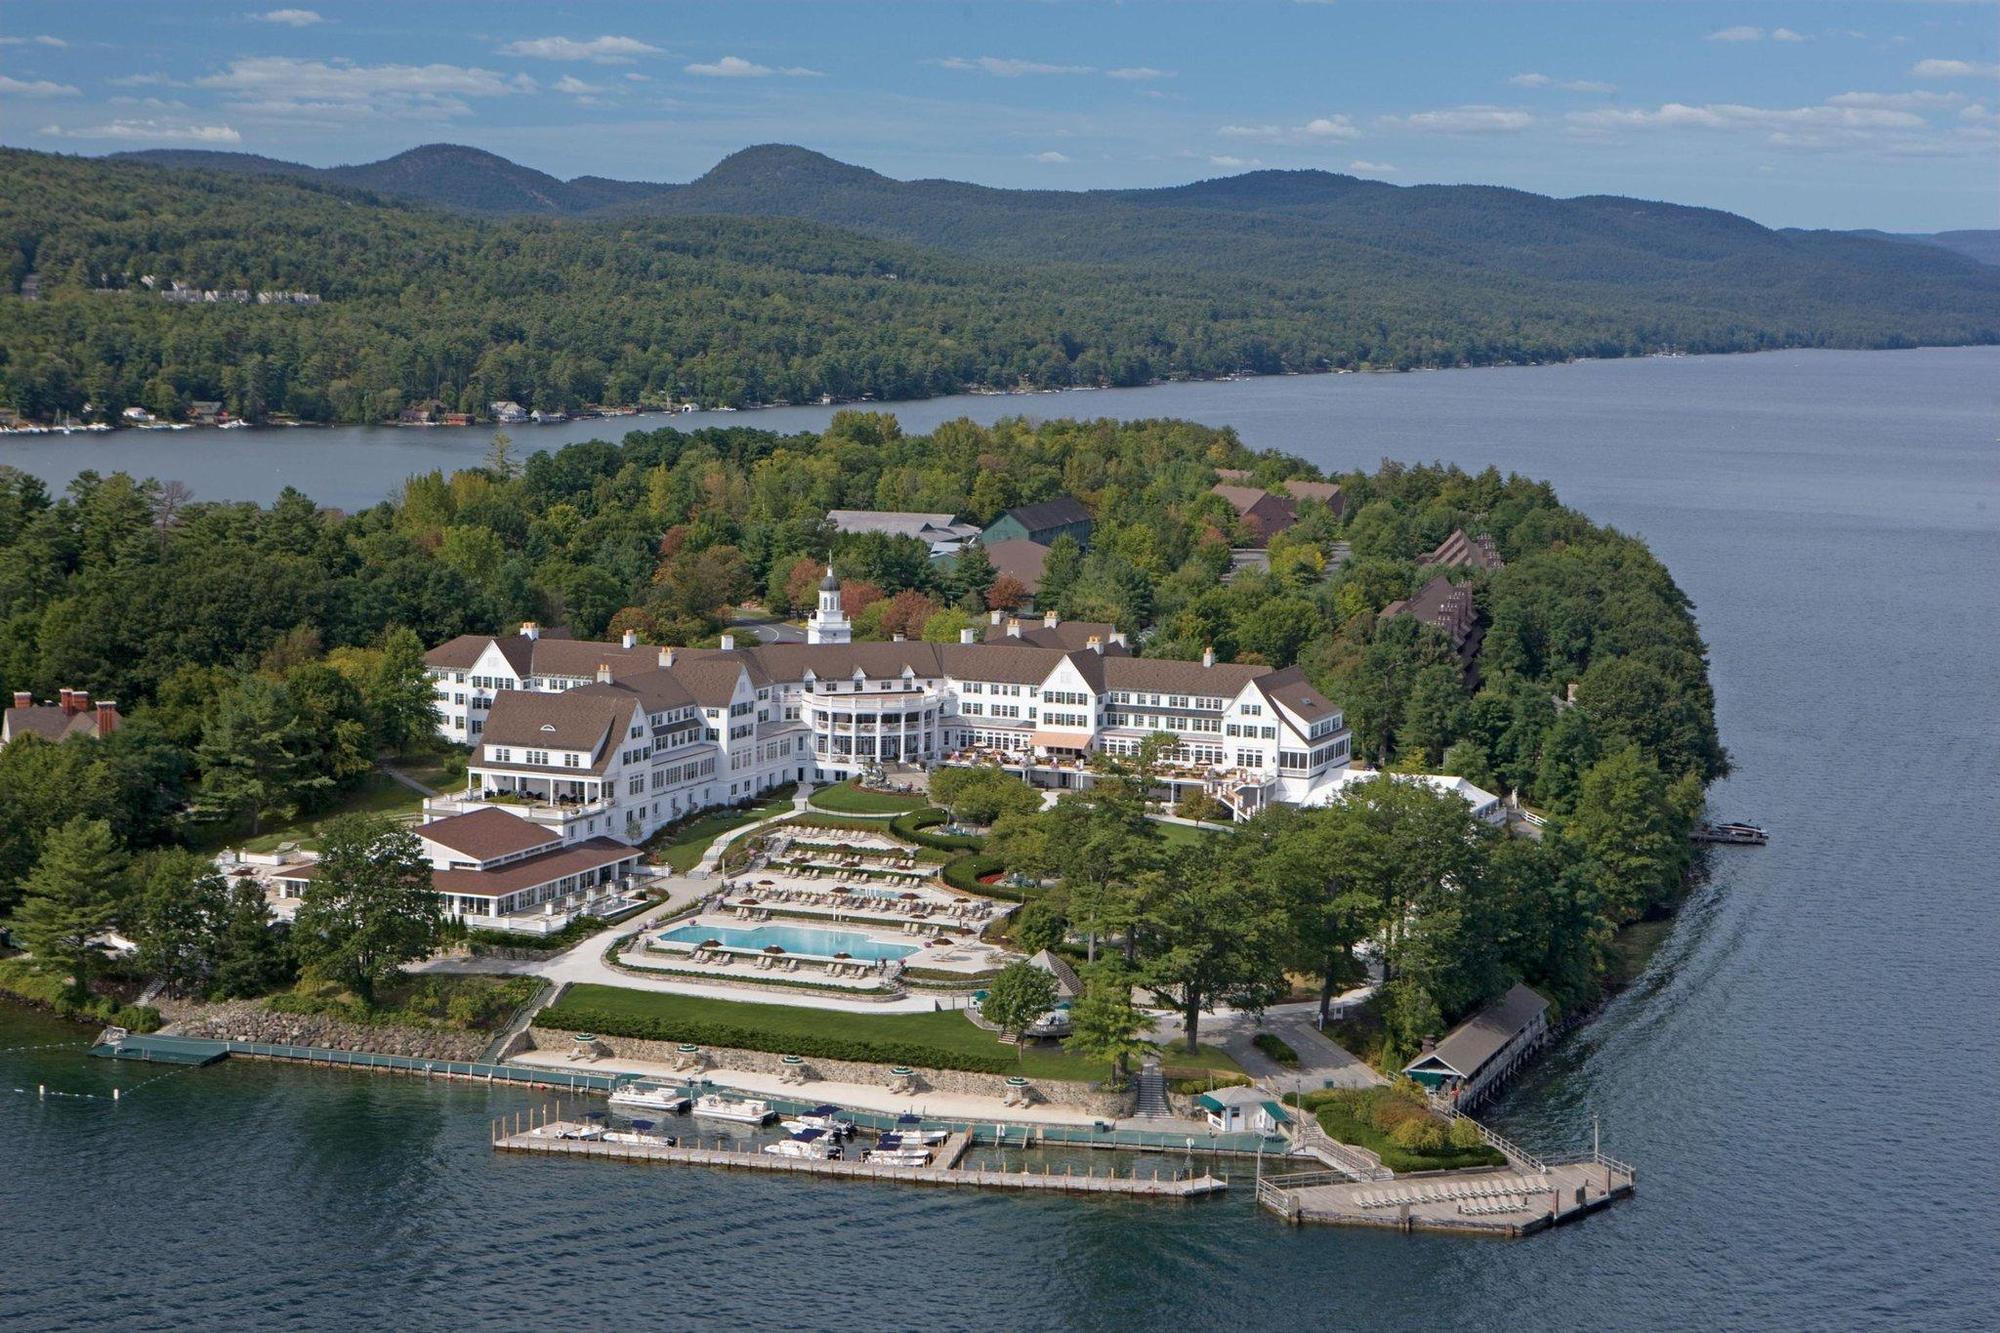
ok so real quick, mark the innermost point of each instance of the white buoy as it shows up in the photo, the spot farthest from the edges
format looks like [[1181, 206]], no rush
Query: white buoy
[[114, 1094], [42, 1091]]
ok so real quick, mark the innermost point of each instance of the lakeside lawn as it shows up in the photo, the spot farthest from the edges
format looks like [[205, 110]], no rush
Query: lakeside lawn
[[681, 848], [1359, 1116], [1173, 837], [375, 794], [847, 799], [785, 1029]]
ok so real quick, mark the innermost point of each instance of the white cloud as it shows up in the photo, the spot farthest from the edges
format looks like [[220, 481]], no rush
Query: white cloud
[[1138, 73], [1787, 35], [1897, 101], [291, 18], [1319, 129], [1732, 116], [1008, 69], [1225, 160], [35, 41], [142, 81], [736, 67], [36, 88], [1052, 157], [1741, 33], [1367, 168], [1567, 85], [1953, 69], [282, 86], [576, 87], [1460, 120], [148, 131], [604, 50]]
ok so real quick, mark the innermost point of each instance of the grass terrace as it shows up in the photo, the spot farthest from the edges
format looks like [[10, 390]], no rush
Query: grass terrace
[[680, 847], [375, 794], [847, 798], [944, 1039], [449, 1003]]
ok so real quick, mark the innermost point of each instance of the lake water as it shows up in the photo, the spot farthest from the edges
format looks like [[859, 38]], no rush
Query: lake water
[[1806, 1078]]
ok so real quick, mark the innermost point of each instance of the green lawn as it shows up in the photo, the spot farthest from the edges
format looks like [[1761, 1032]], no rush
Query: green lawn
[[848, 799], [375, 794], [683, 847], [784, 1028], [1345, 1116], [1176, 836]]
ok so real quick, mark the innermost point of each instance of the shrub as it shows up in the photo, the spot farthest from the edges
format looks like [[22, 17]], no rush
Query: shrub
[[824, 1045], [914, 826], [1464, 1134], [963, 874], [1193, 1082], [1271, 1044], [1419, 1133]]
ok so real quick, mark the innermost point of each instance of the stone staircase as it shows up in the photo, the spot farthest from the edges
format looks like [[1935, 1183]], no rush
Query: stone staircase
[[1151, 1086]]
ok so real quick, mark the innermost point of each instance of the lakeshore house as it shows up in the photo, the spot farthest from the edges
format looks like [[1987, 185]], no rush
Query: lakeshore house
[[73, 714], [1019, 559], [1238, 1109], [1464, 552], [1264, 514], [1479, 1053], [1044, 522], [489, 868]]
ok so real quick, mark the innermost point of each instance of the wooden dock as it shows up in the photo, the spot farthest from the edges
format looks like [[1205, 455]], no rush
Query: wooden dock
[[540, 1132], [1495, 1202]]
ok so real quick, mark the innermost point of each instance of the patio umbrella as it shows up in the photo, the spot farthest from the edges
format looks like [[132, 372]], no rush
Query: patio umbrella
[[774, 948], [710, 944], [842, 888], [747, 902], [909, 897], [842, 957]]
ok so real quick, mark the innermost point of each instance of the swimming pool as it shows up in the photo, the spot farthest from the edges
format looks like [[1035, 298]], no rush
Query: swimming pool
[[793, 939]]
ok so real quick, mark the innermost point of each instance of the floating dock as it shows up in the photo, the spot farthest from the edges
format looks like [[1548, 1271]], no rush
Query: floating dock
[[541, 1133], [155, 1048]]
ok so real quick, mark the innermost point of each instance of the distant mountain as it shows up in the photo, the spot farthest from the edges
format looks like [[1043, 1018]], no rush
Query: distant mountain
[[469, 180], [1983, 246]]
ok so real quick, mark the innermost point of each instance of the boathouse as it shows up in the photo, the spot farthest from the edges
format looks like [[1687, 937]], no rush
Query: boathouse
[[1477, 1054], [1241, 1109]]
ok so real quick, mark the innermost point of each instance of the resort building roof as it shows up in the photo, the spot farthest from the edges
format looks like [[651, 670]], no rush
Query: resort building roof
[[1467, 1047]]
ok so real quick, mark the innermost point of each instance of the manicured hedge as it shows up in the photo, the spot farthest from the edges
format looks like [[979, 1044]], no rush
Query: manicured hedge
[[825, 1045], [914, 826], [963, 874], [1271, 1044]]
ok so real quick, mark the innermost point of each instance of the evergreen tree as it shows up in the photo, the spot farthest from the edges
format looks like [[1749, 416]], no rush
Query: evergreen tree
[[182, 921], [1060, 570], [254, 958], [72, 896], [1105, 1024], [256, 755], [400, 694], [370, 909]]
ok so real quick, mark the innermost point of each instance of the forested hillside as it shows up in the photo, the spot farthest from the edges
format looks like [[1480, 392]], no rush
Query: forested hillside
[[956, 286]]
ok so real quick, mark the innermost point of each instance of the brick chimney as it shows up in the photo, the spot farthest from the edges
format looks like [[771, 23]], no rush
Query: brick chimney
[[968, 636], [23, 699], [729, 643], [1118, 637], [1095, 644], [630, 640], [603, 673], [1050, 620], [1208, 656], [74, 701], [666, 658], [1013, 627], [107, 717], [530, 630]]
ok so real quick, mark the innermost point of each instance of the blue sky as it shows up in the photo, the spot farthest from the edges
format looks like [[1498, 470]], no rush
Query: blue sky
[[1808, 114]]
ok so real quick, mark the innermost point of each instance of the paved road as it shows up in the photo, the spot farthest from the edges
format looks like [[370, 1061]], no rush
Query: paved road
[[769, 630], [1322, 1063]]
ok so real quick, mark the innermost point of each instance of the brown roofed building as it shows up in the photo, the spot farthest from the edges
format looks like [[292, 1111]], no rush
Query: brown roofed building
[[74, 714], [1465, 552], [1449, 607], [1265, 514], [1019, 559], [1325, 492], [1049, 631]]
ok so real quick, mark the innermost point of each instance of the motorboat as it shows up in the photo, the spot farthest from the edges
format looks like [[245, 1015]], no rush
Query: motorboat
[[910, 1129], [823, 1117], [893, 1150], [1748, 835], [817, 1145], [641, 1134], [651, 1097], [565, 1129], [743, 1110]]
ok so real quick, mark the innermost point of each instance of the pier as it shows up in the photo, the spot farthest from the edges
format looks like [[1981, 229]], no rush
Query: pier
[[539, 1132], [1498, 1201]]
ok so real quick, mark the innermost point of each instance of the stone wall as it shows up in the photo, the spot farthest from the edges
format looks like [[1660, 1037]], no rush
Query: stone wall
[[249, 1020], [1084, 1096]]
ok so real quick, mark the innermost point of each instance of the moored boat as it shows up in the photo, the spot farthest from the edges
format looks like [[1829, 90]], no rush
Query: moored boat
[[651, 1097], [813, 1144], [893, 1150], [823, 1117], [910, 1129], [743, 1110], [1745, 834]]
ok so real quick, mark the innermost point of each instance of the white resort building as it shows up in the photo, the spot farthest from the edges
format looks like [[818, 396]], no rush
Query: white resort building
[[618, 740]]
